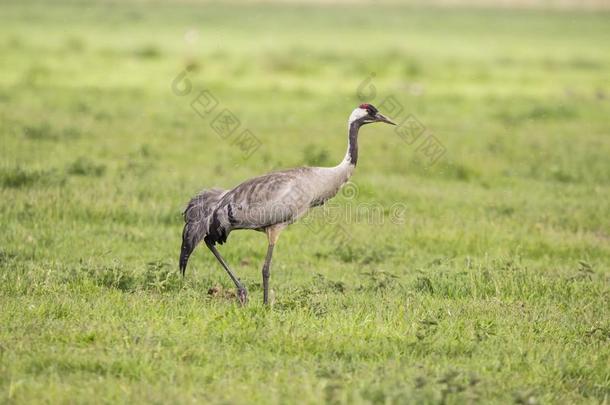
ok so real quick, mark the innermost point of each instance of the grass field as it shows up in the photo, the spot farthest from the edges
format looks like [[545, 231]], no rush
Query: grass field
[[492, 286]]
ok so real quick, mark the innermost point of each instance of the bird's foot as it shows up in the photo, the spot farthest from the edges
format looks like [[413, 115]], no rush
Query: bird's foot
[[242, 295]]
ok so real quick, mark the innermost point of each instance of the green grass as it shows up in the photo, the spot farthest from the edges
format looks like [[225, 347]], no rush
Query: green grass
[[494, 286]]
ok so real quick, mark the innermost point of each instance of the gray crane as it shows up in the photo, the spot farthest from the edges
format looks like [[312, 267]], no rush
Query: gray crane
[[268, 203]]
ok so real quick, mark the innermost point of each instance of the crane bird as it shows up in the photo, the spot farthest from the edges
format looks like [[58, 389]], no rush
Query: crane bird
[[268, 203]]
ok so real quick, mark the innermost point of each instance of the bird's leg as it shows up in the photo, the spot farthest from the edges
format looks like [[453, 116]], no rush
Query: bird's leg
[[242, 292], [273, 233], [266, 268]]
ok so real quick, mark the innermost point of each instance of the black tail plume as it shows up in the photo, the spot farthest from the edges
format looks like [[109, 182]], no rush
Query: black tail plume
[[197, 219], [185, 251]]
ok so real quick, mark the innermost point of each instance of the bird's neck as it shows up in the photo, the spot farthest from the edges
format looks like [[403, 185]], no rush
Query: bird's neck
[[351, 156], [345, 169]]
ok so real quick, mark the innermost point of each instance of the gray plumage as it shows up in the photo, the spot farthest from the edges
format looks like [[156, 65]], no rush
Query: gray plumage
[[268, 203]]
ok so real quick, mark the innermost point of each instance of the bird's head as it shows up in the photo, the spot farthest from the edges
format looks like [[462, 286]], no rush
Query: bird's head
[[367, 114]]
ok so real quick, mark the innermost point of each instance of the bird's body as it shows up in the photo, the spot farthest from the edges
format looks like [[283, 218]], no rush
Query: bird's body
[[268, 203]]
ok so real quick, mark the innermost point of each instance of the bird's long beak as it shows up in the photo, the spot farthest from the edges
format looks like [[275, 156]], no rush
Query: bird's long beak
[[382, 118]]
